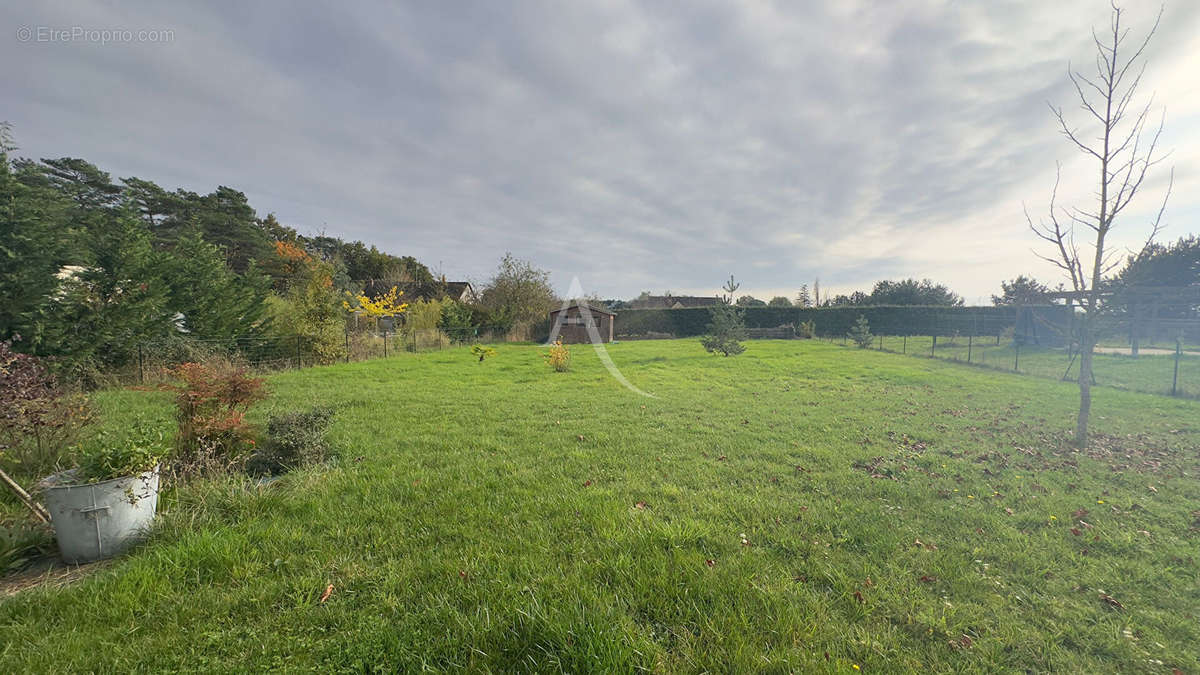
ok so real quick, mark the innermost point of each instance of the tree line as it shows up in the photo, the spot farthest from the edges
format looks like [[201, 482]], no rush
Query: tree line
[[94, 266]]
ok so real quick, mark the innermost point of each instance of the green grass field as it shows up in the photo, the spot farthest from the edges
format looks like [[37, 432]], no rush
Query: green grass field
[[801, 507]]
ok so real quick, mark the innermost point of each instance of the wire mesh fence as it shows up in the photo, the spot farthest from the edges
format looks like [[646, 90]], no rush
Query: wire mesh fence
[[1173, 370], [154, 360]]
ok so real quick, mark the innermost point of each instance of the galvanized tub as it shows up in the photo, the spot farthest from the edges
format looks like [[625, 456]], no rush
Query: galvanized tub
[[99, 520]]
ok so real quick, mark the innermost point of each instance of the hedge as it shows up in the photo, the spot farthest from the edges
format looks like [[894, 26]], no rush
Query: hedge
[[836, 321]]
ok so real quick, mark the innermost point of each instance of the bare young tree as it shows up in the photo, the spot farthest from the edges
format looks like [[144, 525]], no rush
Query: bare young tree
[[1125, 148], [730, 288]]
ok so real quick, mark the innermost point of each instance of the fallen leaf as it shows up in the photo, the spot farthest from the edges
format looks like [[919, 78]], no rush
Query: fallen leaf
[[859, 597], [1075, 531], [710, 562], [580, 437], [1008, 511], [325, 596], [640, 505], [927, 579], [462, 574], [1079, 514], [587, 483], [1110, 600], [868, 583], [721, 458]]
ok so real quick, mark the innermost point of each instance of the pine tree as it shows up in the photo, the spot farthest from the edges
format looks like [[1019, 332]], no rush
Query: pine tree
[[33, 249], [802, 297], [861, 333], [725, 331]]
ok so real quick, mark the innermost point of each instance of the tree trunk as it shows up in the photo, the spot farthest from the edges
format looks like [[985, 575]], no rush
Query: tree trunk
[[1086, 345], [1085, 394]]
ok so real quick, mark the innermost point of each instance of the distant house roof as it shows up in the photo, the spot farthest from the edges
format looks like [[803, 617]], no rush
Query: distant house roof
[[591, 308], [416, 290], [674, 302]]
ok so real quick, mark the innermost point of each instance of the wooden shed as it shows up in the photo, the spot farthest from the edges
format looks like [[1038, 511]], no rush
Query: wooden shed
[[573, 326]]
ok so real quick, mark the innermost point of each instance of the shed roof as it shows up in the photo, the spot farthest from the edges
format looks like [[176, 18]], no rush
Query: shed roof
[[590, 307]]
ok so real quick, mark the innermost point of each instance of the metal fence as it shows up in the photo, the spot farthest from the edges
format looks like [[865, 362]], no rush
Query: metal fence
[[1173, 370], [155, 359]]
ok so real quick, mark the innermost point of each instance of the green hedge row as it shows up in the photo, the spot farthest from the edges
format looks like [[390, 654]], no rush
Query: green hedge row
[[829, 321]]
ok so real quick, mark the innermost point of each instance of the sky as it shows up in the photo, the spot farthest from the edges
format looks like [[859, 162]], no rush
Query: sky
[[633, 145]]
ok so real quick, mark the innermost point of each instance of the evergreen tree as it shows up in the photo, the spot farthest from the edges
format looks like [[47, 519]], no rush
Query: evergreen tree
[[215, 301], [860, 333], [725, 331], [118, 299], [802, 297], [32, 251]]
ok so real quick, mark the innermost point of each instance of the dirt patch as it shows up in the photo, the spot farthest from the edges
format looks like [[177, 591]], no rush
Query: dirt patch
[[1148, 351], [47, 572]]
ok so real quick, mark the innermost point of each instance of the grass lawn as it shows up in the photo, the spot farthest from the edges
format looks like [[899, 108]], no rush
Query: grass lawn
[[799, 507]]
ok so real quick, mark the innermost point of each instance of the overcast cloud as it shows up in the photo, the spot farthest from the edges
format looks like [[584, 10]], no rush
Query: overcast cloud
[[639, 146]]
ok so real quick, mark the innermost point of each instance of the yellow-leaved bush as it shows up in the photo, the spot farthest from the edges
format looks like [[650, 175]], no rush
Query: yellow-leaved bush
[[559, 356], [383, 305]]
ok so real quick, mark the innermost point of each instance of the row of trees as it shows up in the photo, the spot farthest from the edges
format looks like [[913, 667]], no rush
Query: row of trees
[[94, 267]]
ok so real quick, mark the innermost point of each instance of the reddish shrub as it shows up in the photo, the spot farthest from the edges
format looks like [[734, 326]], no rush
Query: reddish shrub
[[212, 402], [38, 419]]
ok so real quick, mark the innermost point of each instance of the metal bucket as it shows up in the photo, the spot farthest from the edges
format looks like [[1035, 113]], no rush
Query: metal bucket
[[99, 520]]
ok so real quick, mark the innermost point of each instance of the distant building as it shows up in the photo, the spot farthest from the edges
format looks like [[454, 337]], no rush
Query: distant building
[[459, 291], [573, 326], [674, 302]]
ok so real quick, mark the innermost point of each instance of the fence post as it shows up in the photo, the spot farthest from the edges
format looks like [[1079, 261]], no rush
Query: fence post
[[905, 348], [385, 343], [970, 340], [297, 351], [141, 367], [1175, 377], [347, 343], [933, 348], [880, 343], [1017, 356]]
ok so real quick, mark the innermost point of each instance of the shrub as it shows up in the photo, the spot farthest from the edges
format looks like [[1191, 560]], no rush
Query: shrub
[[109, 455], [559, 356], [807, 330], [456, 321], [38, 419], [861, 333], [211, 403], [725, 331], [312, 309], [294, 439], [482, 352]]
